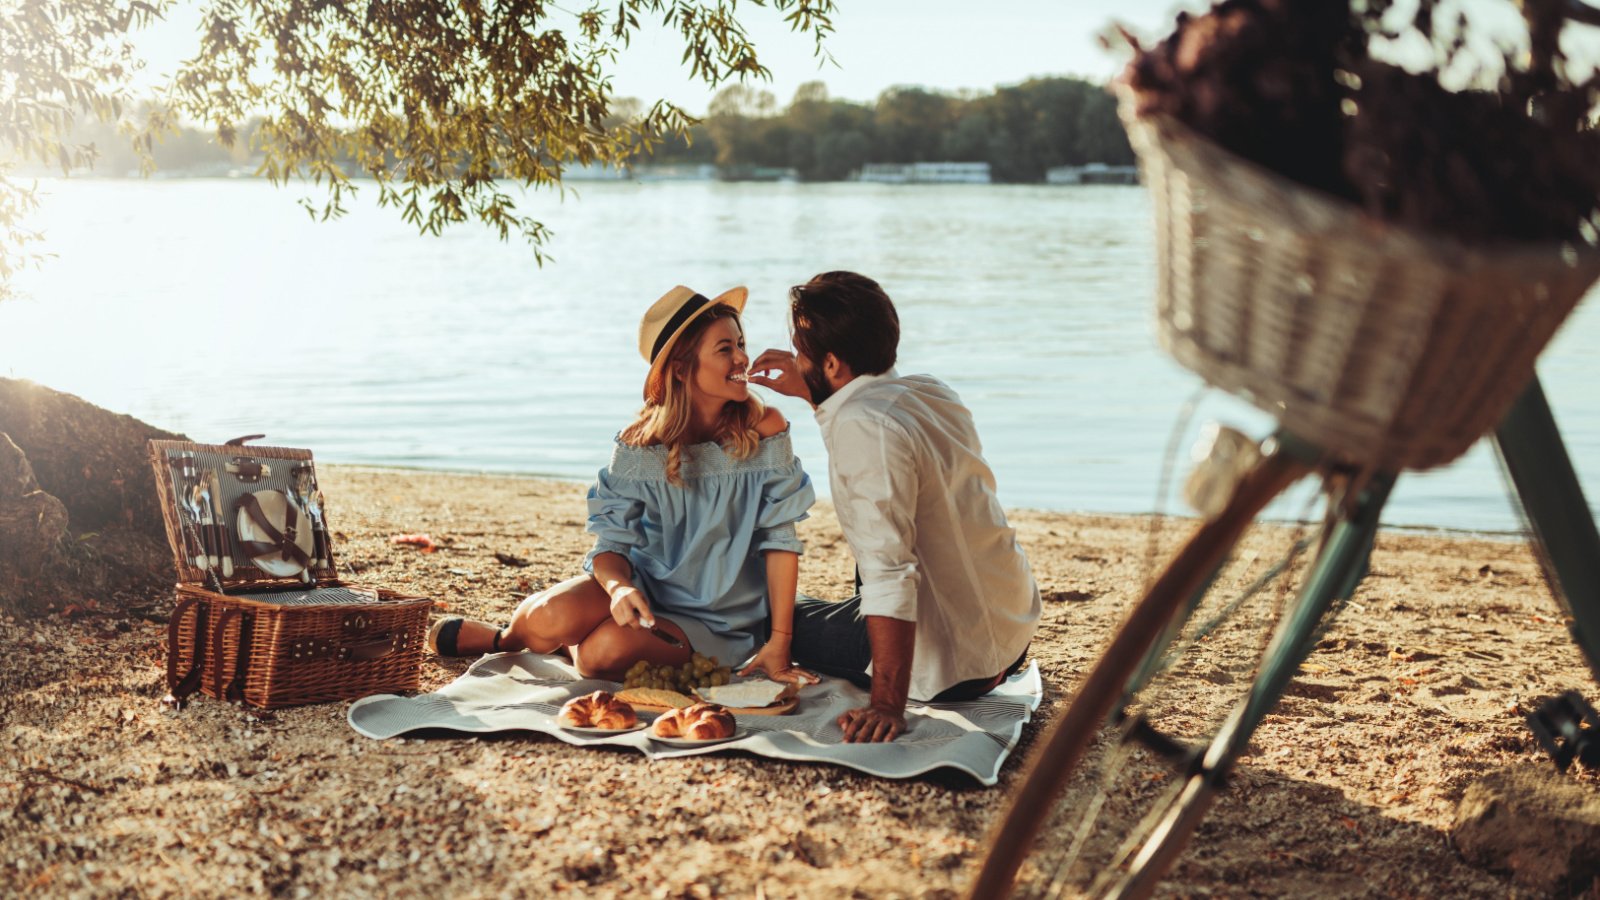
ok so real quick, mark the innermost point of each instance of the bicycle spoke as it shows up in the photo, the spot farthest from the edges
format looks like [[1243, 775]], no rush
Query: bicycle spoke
[[1167, 839], [1068, 738], [1169, 758], [1139, 738]]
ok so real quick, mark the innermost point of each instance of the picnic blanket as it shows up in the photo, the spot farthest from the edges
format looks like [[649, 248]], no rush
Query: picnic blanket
[[524, 691]]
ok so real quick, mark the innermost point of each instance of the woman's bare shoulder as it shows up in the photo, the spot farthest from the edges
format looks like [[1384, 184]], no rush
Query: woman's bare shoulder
[[771, 423]]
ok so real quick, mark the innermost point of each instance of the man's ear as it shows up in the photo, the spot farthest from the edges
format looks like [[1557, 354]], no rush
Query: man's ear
[[834, 369]]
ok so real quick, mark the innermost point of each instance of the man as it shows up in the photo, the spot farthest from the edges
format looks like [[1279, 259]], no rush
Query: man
[[946, 603]]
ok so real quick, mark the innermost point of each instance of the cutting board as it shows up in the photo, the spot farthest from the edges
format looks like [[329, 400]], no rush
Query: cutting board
[[785, 704], [782, 707]]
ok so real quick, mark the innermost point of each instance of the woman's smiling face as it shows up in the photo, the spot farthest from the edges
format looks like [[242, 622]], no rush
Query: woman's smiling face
[[721, 364]]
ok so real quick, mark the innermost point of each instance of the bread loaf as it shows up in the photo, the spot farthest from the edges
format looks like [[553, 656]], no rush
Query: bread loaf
[[597, 710], [700, 722]]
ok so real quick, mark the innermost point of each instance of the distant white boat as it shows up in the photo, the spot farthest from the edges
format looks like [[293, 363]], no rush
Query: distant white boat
[[675, 172], [926, 173], [593, 172], [644, 172], [1093, 173], [757, 173]]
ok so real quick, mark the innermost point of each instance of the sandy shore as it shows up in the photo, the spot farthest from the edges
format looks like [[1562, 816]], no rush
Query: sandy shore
[[1350, 788]]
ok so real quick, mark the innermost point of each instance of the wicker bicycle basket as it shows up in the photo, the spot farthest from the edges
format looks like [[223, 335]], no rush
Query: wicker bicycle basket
[[1385, 346]]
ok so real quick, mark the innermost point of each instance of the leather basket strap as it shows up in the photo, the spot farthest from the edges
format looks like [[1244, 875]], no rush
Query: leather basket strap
[[241, 665], [233, 689], [180, 687], [276, 542]]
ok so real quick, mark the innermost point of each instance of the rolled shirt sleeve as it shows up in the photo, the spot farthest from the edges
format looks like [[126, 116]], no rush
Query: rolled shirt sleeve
[[875, 485], [785, 498], [614, 519]]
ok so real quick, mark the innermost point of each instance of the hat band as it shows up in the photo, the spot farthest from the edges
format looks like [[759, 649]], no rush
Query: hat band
[[687, 311]]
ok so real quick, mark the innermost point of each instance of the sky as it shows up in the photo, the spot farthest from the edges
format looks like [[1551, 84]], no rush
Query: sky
[[948, 45], [877, 44], [981, 44], [943, 44]]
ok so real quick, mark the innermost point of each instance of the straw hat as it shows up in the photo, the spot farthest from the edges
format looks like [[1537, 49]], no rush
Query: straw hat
[[668, 317]]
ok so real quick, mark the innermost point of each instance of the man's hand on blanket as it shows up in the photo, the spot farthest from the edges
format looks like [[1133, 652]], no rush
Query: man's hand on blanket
[[872, 724], [773, 660], [884, 716], [630, 608]]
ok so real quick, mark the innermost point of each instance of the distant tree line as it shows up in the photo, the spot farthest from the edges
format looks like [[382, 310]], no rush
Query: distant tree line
[[183, 151], [1020, 131]]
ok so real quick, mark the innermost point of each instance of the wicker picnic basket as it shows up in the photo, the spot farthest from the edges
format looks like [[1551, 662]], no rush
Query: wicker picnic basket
[[1388, 347], [255, 631]]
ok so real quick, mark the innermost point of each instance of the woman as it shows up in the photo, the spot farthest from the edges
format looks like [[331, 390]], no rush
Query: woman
[[693, 519]]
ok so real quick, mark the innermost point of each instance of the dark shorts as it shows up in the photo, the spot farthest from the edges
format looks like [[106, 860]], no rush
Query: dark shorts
[[830, 637]]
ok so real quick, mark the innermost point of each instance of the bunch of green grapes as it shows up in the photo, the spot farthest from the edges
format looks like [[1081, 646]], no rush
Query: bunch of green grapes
[[699, 671]]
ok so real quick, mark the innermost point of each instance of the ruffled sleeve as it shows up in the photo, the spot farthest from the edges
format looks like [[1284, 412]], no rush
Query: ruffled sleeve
[[785, 496], [614, 517]]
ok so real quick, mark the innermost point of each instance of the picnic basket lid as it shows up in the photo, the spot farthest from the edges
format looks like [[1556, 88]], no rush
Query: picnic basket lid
[[260, 511]]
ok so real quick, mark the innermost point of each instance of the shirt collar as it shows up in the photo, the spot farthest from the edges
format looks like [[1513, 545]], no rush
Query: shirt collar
[[831, 406]]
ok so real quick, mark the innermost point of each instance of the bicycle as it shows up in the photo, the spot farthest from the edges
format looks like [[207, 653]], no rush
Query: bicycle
[[1531, 447], [1356, 480]]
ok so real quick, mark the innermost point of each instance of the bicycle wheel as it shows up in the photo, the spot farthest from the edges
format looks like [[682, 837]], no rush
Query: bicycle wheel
[[1129, 651], [1174, 745]]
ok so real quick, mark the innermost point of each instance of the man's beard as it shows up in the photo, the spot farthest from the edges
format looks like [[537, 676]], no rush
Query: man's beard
[[817, 382]]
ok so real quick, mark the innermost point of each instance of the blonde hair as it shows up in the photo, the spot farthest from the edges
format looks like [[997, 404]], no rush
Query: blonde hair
[[669, 405]]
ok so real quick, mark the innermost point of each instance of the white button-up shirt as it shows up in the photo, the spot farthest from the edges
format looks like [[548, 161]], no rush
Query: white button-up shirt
[[917, 504]]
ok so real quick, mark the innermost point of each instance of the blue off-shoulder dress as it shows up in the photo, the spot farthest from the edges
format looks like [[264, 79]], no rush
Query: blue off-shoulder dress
[[696, 549]]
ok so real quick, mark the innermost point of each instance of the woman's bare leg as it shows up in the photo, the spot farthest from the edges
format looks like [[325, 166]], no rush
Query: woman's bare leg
[[576, 615], [611, 649], [558, 616]]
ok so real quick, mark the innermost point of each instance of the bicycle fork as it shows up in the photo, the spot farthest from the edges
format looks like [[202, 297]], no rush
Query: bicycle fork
[[1564, 534], [1334, 576], [1053, 763]]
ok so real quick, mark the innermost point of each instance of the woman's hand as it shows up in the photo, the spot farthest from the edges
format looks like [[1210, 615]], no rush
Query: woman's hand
[[630, 609], [780, 371], [773, 660]]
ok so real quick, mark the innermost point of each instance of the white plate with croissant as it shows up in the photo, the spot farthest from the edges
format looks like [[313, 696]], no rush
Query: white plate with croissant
[[589, 729], [598, 713], [695, 726], [700, 742]]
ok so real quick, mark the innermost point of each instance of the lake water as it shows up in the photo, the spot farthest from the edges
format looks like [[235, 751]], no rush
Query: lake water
[[216, 308]]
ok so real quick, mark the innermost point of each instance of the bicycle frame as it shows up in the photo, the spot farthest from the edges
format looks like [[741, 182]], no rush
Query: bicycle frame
[[1565, 538], [1334, 576], [1536, 460]]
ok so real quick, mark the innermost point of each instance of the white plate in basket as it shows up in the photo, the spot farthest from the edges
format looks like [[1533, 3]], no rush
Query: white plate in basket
[[275, 507]]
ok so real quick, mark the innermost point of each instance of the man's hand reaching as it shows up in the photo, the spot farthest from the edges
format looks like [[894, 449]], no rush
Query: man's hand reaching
[[872, 725], [779, 370]]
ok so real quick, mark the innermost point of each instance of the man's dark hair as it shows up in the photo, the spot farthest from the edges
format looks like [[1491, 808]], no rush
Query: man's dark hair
[[848, 315]]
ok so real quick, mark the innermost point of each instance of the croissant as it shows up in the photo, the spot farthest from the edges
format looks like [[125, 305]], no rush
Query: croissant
[[598, 710], [700, 722]]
